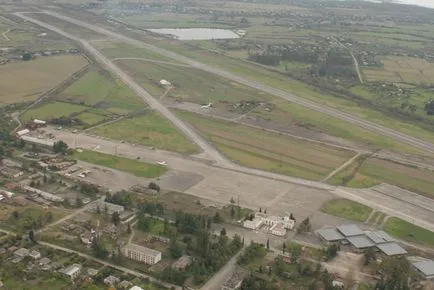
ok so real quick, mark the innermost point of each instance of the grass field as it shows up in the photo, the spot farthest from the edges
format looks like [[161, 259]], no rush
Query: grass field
[[347, 209], [409, 232], [101, 89], [191, 84], [52, 110], [272, 152], [137, 168], [378, 171], [280, 81], [409, 70], [90, 118], [150, 129], [25, 80], [120, 50]]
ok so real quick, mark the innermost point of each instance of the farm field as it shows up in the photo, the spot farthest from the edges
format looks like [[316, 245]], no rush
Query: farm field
[[135, 167], [347, 209], [52, 110], [264, 150], [409, 232], [149, 129], [398, 69], [40, 75]]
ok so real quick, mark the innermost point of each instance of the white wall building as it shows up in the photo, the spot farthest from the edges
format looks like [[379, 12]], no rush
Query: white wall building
[[253, 224], [141, 254], [72, 271]]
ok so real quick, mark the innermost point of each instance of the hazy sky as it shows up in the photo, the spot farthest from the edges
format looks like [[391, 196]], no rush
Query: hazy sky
[[426, 3]]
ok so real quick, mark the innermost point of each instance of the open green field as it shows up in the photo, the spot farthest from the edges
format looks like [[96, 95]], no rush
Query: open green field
[[280, 81], [94, 98], [52, 110], [408, 70], [377, 171], [269, 151], [115, 50], [191, 84], [347, 209], [24, 81], [99, 89], [135, 167], [150, 129], [409, 232]]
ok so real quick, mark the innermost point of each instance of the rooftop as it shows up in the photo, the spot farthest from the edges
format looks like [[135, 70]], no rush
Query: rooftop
[[136, 288], [360, 242], [380, 237], [391, 249], [70, 270], [142, 249], [350, 230], [182, 262], [426, 267], [21, 252], [330, 234]]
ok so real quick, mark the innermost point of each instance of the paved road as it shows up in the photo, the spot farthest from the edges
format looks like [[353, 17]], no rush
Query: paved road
[[222, 275], [154, 103], [245, 173], [347, 117], [105, 263]]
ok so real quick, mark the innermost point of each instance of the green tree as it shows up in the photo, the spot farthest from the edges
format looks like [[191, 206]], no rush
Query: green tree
[[99, 250], [60, 147], [27, 56], [429, 107], [369, 256], [175, 249], [116, 218], [223, 232]]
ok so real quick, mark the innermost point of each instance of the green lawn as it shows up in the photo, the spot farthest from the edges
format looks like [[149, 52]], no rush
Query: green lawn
[[52, 110], [268, 151], [150, 129], [90, 118], [347, 209], [100, 88], [89, 89], [135, 167], [409, 232]]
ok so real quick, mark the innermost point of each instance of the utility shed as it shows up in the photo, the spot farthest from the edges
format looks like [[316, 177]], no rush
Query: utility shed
[[426, 268], [330, 235], [350, 230], [380, 237], [360, 242], [392, 249]]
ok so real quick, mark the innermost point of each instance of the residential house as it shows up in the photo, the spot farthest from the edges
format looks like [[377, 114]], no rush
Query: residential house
[[111, 280], [72, 271], [22, 253], [35, 255]]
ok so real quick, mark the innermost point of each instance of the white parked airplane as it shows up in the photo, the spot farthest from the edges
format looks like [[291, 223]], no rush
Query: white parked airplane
[[163, 163], [207, 106]]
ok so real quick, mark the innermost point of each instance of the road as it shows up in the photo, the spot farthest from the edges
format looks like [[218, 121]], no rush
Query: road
[[225, 168], [105, 263], [142, 93], [222, 275], [5, 36], [356, 62], [65, 218], [343, 166], [347, 117]]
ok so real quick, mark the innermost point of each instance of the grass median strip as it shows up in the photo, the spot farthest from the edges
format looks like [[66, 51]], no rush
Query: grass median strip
[[137, 168], [409, 232], [347, 209]]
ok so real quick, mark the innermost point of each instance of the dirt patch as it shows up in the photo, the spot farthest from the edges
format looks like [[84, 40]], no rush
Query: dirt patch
[[179, 181]]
